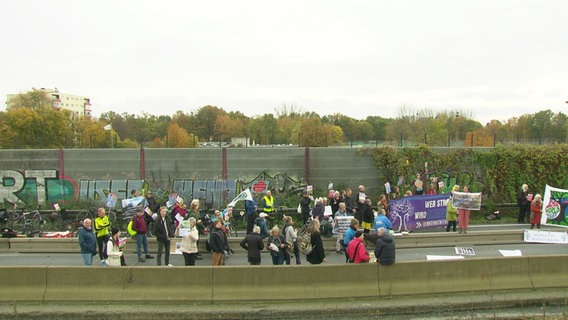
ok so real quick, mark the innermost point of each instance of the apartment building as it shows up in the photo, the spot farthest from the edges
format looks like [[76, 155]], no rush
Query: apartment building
[[78, 105]]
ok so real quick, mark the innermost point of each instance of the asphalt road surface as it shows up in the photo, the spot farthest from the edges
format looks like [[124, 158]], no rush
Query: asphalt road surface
[[406, 254]]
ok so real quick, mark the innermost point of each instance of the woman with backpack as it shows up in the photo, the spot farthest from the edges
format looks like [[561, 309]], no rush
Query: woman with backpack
[[317, 255], [292, 240], [356, 250]]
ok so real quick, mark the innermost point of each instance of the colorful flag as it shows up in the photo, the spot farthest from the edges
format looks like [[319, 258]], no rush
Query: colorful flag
[[245, 195]]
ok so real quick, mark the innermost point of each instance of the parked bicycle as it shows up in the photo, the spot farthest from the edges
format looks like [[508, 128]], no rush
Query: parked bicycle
[[29, 223], [61, 221]]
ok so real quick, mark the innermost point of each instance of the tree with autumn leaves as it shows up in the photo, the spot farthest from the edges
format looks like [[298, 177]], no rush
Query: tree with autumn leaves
[[33, 123]]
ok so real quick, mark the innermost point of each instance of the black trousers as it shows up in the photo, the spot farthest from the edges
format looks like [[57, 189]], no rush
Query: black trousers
[[101, 243], [451, 223], [161, 245], [189, 258], [250, 222]]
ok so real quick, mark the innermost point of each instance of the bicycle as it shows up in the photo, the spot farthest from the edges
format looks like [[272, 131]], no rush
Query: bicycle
[[62, 222], [274, 218], [90, 213], [29, 222]]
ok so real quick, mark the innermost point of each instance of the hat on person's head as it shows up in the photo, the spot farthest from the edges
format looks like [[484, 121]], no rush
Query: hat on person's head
[[358, 233], [114, 230], [262, 215]]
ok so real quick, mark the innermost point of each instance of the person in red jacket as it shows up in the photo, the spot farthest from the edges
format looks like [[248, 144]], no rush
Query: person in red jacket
[[536, 210], [356, 249]]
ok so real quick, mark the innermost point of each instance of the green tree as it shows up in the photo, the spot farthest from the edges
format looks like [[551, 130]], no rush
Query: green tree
[[263, 129], [379, 127], [35, 100], [30, 128], [205, 121]]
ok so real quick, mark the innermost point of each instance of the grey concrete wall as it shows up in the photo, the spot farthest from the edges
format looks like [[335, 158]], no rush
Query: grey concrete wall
[[215, 285], [93, 173]]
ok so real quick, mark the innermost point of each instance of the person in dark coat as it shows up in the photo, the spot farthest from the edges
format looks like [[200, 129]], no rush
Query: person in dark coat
[[163, 232], [305, 201], [317, 256], [87, 242], [217, 243], [318, 210], [367, 215], [253, 244], [385, 250], [524, 202], [350, 205]]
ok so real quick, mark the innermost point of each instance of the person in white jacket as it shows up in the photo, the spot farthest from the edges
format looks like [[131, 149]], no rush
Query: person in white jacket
[[189, 239], [113, 248]]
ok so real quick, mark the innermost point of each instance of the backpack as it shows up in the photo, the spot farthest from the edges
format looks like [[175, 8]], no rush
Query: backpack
[[304, 240], [8, 233], [131, 231], [352, 260]]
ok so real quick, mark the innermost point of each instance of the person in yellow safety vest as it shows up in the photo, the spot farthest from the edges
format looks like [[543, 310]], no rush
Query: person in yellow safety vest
[[268, 202], [102, 225]]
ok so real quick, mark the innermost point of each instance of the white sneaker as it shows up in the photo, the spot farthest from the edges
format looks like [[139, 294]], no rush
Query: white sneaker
[[170, 265]]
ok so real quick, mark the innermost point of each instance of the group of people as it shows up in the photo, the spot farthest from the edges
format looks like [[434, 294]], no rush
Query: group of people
[[454, 214], [530, 206], [104, 237], [98, 237]]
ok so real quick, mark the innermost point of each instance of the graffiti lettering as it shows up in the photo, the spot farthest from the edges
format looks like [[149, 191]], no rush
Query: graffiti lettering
[[17, 187], [45, 187], [12, 182]]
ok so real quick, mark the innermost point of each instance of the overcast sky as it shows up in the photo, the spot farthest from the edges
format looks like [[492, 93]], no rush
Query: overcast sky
[[493, 59]]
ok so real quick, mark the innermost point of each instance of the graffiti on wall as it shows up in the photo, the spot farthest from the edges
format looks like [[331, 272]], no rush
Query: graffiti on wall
[[278, 183], [45, 187], [38, 187]]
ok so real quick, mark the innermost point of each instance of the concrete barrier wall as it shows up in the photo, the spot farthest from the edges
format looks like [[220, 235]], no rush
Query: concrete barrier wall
[[278, 283]]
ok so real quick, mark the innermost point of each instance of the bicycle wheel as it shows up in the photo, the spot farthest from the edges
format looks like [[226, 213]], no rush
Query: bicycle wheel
[[39, 223], [14, 220], [81, 216]]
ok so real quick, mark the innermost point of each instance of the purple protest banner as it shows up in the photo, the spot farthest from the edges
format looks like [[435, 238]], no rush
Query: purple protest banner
[[418, 212]]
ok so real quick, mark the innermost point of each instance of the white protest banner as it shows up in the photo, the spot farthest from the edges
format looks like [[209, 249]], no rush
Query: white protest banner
[[132, 202], [175, 247], [539, 236], [467, 200], [342, 223], [183, 228]]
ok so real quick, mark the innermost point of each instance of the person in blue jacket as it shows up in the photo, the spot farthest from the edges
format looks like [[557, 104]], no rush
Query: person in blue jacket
[[250, 211], [381, 220]]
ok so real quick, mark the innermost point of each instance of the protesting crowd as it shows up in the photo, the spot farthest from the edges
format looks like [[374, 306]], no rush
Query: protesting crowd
[[349, 217]]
